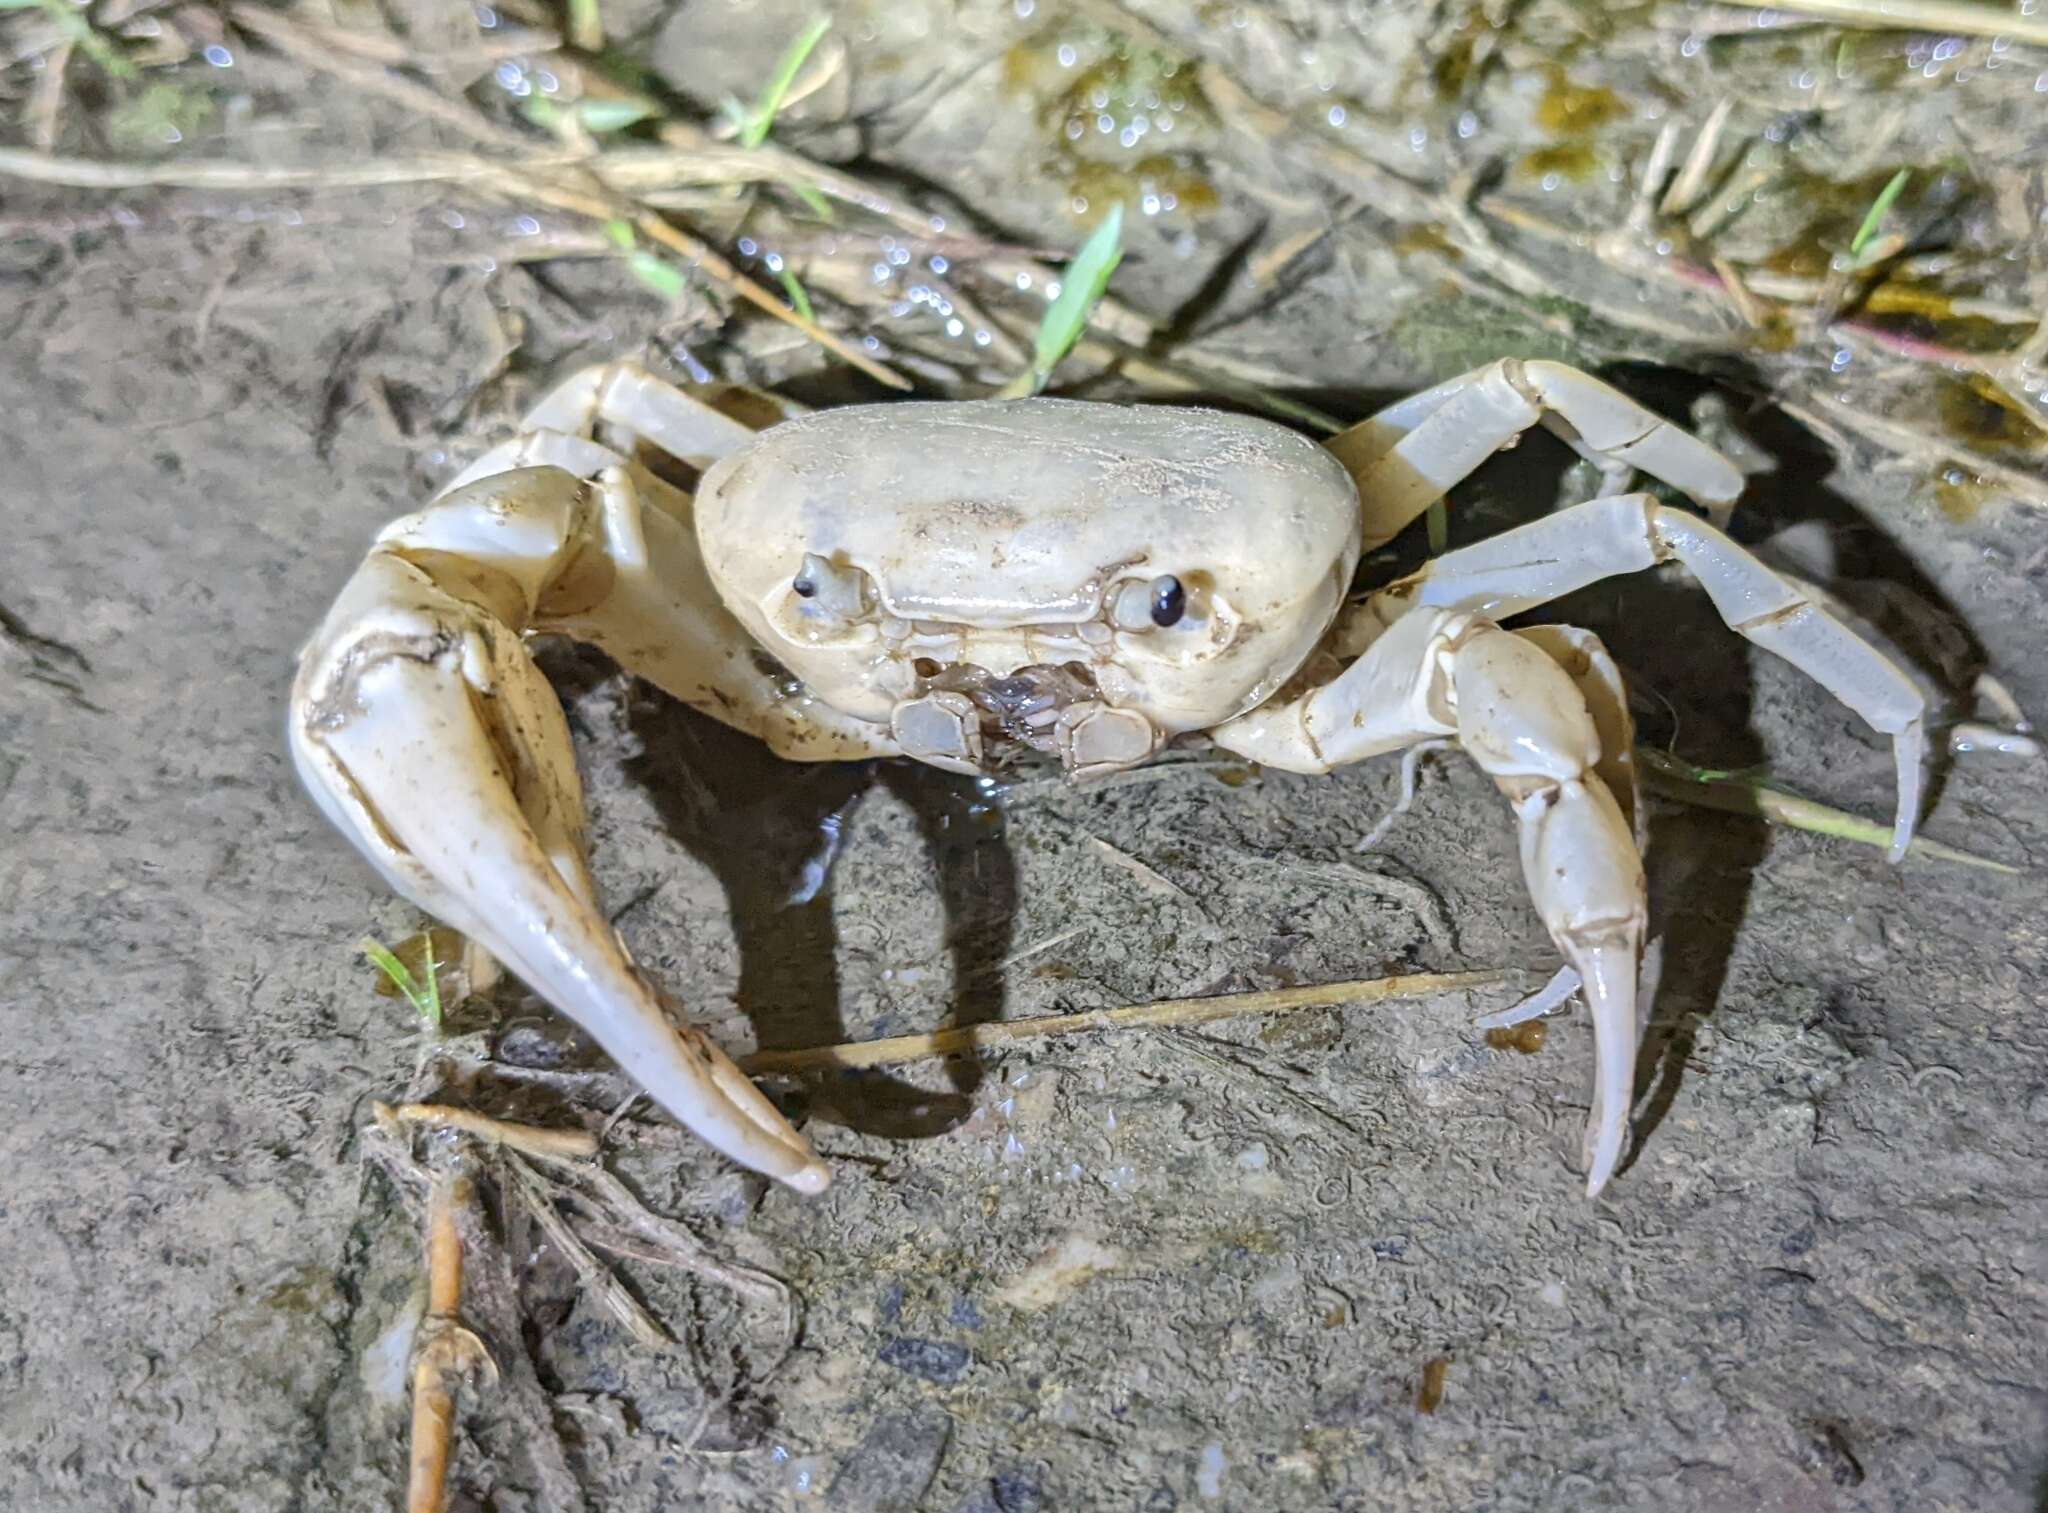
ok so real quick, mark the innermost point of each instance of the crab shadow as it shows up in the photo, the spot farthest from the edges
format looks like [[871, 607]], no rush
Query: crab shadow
[[771, 832]]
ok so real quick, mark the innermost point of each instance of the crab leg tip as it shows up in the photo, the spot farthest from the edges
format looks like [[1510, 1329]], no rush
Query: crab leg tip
[[810, 1179]]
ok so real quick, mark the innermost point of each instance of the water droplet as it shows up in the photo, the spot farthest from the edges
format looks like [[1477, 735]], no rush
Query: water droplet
[[1066, 55], [939, 264], [955, 328], [748, 246], [1336, 115], [219, 56]]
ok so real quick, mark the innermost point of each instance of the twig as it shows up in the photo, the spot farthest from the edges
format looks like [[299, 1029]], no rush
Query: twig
[[897, 1049], [700, 254], [590, 1271], [303, 46], [1150, 877], [47, 96], [88, 173], [557, 1144], [1699, 163], [446, 1349], [1666, 777], [2026, 487], [1950, 16]]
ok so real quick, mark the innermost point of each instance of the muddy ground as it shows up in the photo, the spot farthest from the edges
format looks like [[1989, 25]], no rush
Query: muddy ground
[[1157, 1269]]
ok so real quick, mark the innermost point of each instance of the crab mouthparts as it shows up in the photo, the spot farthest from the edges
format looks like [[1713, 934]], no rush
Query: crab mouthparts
[[966, 718]]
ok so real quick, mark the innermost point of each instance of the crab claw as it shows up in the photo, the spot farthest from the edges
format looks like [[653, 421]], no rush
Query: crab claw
[[428, 736]]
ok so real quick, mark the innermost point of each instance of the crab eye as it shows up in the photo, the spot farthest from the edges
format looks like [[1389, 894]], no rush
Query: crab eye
[[840, 592], [1169, 601]]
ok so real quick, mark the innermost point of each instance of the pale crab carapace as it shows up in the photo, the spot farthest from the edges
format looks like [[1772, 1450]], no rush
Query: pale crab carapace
[[962, 583]]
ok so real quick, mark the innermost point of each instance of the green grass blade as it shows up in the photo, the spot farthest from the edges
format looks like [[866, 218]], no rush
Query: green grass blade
[[815, 202], [755, 126], [1875, 214], [601, 116], [1083, 283], [1671, 778], [663, 277], [798, 300], [426, 1001]]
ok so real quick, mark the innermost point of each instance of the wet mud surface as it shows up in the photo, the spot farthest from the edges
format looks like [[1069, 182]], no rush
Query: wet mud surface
[[1172, 1268]]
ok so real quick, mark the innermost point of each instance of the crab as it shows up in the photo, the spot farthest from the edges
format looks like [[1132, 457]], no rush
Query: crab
[[965, 583]]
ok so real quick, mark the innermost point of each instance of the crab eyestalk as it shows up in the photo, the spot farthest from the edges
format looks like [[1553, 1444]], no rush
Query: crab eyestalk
[[1142, 605], [842, 592]]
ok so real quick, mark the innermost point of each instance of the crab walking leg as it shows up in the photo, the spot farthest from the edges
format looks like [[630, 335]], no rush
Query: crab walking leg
[[626, 396], [1605, 538], [1592, 671], [426, 733], [560, 430], [1410, 454], [1586, 661], [1517, 713]]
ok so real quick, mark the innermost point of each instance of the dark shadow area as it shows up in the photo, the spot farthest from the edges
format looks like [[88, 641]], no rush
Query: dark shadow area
[[771, 830]]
